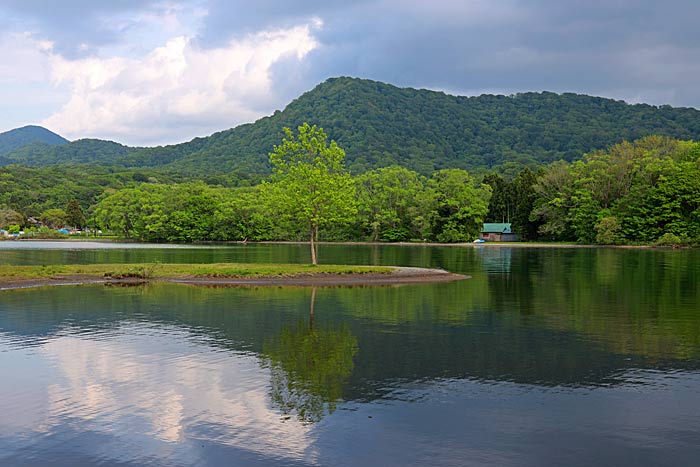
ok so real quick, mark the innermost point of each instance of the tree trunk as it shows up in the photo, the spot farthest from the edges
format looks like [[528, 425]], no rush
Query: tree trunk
[[314, 261]]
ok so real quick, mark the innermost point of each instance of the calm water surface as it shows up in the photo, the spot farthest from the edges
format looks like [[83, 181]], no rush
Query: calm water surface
[[545, 357]]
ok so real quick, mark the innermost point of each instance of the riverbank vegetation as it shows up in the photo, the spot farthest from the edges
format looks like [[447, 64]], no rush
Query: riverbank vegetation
[[641, 192]]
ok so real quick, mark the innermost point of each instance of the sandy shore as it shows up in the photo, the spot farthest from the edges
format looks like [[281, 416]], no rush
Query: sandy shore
[[401, 275]]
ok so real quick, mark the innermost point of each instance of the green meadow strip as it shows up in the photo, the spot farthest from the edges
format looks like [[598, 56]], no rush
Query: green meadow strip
[[164, 271]]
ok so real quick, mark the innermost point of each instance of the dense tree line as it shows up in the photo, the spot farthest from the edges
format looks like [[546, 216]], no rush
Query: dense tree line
[[46, 193], [646, 191], [84, 151], [310, 196], [448, 207]]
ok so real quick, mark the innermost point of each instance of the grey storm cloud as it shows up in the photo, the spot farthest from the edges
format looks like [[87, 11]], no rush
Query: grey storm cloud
[[641, 50], [636, 50], [631, 49], [77, 27]]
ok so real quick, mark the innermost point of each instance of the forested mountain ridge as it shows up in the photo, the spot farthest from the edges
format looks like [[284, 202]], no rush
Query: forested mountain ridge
[[380, 125], [82, 151], [13, 139]]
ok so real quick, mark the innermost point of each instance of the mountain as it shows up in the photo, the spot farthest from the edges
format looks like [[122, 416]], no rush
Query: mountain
[[379, 124], [82, 151], [13, 139]]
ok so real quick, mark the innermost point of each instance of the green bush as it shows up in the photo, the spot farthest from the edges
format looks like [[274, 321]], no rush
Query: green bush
[[608, 231], [669, 239], [399, 234]]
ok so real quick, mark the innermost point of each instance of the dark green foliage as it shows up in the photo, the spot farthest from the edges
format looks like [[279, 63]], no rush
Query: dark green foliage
[[459, 207], [32, 190], [74, 214], [380, 125], [502, 199], [186, 212], [524, 198], [13, 139], [391, 204], [10, 217], [56, 218], [84, 151], [513, 201]]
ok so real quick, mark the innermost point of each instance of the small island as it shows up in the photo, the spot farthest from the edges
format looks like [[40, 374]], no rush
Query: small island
[[221, 274]]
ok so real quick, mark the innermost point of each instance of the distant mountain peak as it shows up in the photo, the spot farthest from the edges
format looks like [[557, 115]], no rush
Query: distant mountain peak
[[30, 134]]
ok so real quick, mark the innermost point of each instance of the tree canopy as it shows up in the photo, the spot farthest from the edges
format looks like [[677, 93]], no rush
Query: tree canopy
[[309, 184]]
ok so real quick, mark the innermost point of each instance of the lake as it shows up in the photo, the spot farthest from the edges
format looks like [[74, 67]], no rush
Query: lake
[[546, 356]]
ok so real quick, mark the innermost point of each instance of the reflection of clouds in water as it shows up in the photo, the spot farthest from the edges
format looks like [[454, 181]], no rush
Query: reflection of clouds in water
[[161, 387]]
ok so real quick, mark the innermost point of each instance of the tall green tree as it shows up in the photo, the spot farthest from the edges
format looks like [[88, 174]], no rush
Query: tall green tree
[[54, 218], [551, 209], [10, 217], [460, 207], [389, 203], [524, 201], [501, 204], [309, 183], [74, 214], [136, 212]]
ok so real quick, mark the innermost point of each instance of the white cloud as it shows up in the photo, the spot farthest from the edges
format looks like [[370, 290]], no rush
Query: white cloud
[[176, 91], [24, 73], [23, 58]]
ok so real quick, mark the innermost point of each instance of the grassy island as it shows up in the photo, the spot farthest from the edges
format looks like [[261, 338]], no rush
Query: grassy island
[[222, 273], [181, 271]]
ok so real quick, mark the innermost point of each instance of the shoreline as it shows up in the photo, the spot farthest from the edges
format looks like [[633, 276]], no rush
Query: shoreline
[[397, 276], [351, 243]]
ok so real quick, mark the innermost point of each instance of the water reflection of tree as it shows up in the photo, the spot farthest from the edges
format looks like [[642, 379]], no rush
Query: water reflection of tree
[[309, 366]]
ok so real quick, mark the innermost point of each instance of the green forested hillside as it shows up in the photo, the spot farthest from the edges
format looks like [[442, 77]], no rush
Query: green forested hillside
[[83, 151], [32, 190], [379, 125], [13, 139]]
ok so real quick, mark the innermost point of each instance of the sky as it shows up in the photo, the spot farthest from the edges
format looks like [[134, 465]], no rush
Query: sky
[[147, 72]]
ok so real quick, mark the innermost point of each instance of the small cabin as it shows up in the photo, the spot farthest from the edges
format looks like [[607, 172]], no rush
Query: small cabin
[[498, 233]]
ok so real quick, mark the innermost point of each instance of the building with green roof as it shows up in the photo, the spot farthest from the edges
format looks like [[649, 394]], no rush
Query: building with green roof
[[498, 233]]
